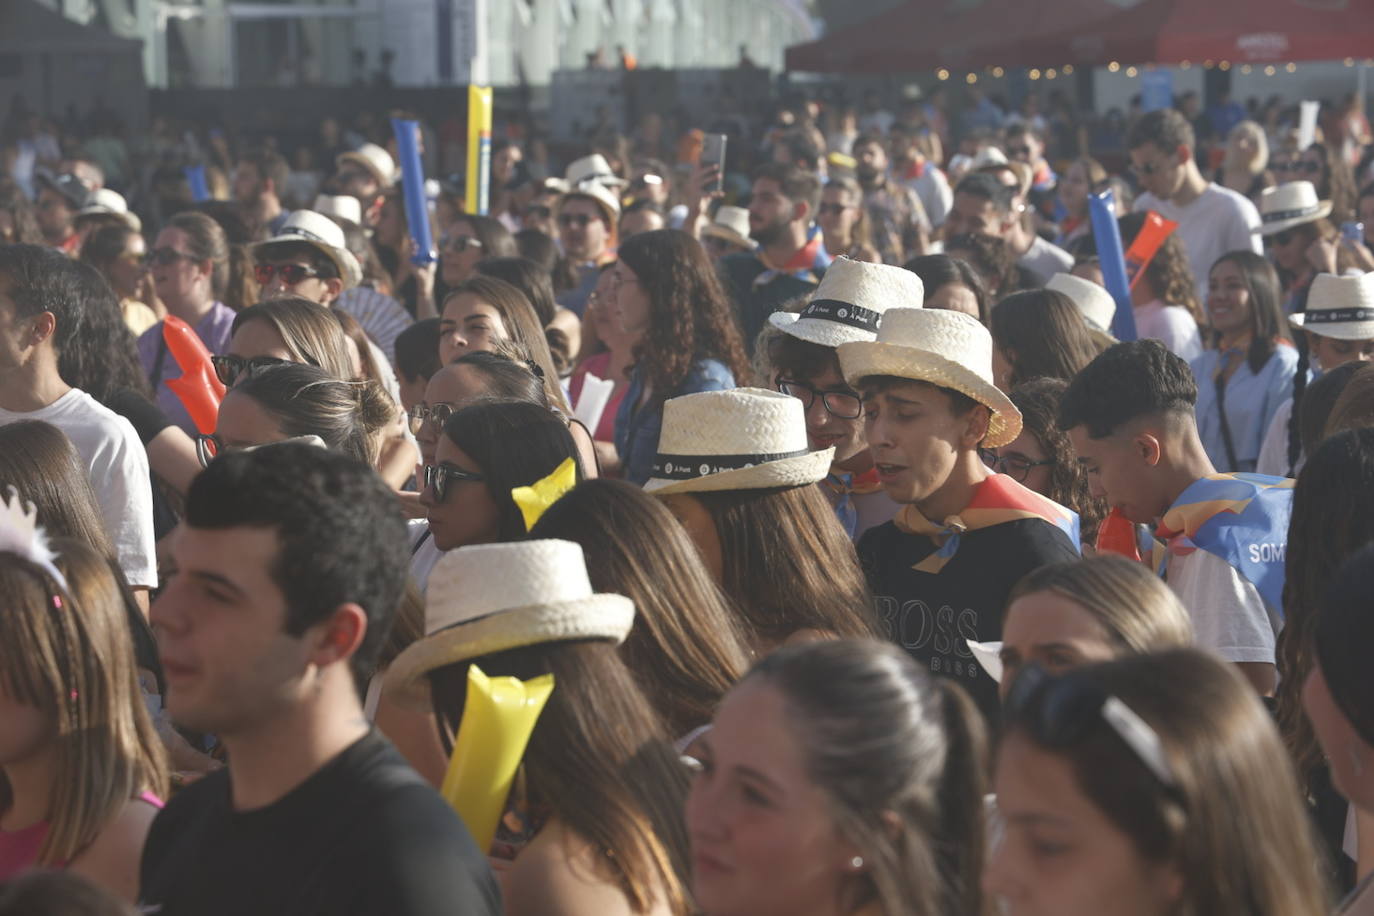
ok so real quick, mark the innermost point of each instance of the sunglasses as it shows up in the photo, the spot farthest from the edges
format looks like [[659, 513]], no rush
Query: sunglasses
[[459, 243], [209, 446], [229, 368], [581, 220], [423, 413], [845, 405], [1017, 467], [163, 257], [438, 477], [290, 274]]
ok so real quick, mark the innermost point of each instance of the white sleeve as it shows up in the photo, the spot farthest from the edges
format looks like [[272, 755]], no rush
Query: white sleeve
[[1248, 236], [1273, 456], [119, 476], [1229, 616]]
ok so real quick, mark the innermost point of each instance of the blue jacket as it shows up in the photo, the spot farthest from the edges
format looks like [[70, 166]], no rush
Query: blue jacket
[[637, 428]]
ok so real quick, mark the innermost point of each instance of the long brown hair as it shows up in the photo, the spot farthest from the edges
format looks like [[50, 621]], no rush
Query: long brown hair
[[1042, 334], [686, 648], [788, 564], [599, 760], [1266, 316], [690, 317], [1038, 401], [1169, 273]]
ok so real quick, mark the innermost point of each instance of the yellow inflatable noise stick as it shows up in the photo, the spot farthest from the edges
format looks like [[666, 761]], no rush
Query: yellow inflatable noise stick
[[498, 717]]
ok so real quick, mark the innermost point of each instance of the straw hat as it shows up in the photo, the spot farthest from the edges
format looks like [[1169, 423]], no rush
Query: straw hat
[[1339, 307], [1096, 304], [743, 439], [944, 348], [373, 158], [731, 224], [598, 192], [850, 302], [103, 200], [343, 206], [988, 157], [492, 597], [321, 233], [592, 168], [1290, 204], [989, 656]]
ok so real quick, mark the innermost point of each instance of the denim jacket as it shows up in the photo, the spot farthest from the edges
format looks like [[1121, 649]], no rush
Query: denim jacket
[[637, 428]]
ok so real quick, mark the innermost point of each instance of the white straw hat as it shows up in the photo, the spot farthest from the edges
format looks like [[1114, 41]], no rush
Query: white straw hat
[[592, 168], [103, 200], [850, 302], [493, 597], [375, 159], [1339, 307], [1096, 304], [988, 157], [598, 192], [989, 656], [944, 348], [342, 206], [323, 234], [742, 439], [1290, 204], [730, 224]]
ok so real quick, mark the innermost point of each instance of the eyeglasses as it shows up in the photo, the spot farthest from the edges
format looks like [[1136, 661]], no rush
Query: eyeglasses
[[581, 220], [459, 243], [163, 257], [421, 413], [1061, 712], [207, 447], [1017, 467], [438, 476], [290, 274], [228, 368], [843, 404], [832, 209]]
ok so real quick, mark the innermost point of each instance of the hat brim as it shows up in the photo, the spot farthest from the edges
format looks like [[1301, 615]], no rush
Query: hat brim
[[130, 218], [728, 235], [609, 205], [818, 330], [603, 616], [785, 472], [1337, 330], [350, 272], [1323, 211], [863, 359], [989, 656], [385, 181]]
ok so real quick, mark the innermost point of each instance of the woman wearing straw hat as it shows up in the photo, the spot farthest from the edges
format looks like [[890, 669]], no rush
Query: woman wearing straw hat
[[942, 569], [1299, 237], [599, 805], [736, 469]]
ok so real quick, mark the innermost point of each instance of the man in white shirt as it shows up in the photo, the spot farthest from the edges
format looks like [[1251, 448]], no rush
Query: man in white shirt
[[1212, 220], [40, 310], [911, 168], [986, 205]]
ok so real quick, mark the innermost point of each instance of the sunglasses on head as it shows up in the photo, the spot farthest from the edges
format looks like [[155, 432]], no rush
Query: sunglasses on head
[[290, 274], [581, 220], [438, 477], [421, 414], [228, 368], [459, 243], [162, 257]]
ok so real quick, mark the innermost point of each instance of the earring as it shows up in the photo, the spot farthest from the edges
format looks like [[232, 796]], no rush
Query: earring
[[856, 863]]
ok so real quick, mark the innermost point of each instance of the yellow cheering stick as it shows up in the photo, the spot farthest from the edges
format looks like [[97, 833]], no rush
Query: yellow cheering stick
[[499, 716], [535, 500]]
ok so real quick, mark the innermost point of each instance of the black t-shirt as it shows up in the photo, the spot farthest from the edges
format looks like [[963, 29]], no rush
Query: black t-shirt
[[146, 417], [364, 835], [753, 304], [932, 614]]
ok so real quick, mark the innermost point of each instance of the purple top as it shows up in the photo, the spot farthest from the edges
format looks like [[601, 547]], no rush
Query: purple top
[[213, 330]]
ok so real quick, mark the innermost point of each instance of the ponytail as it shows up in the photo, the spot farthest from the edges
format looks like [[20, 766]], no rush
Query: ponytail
[[963, 786]]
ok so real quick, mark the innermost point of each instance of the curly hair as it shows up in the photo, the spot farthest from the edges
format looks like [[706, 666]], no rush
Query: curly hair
[[101, 357], [1129, 380], [1168, 272], [690, 317], [990, 256], [1038, 401]]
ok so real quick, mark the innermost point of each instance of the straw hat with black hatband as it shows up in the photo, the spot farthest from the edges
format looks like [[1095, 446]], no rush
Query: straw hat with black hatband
[[850, 302], [942, 348], [742, 439], [489, 598], [1290, 204], [306, 227], [1339, 307]]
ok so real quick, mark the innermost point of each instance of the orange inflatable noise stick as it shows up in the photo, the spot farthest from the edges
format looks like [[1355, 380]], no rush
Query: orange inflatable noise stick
[[1117, 535], [199, 389]]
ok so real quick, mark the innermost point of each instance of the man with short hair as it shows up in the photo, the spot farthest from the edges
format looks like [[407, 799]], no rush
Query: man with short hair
[[587, 217], [1024, 144], [986, 205], [259, 179], [40, 311], [791, 256], [289, 567], [898, 225], [1212, 220], [60, 198], [911, 167], [1130, 416], [307, 257], [365, 173], [640, 216]]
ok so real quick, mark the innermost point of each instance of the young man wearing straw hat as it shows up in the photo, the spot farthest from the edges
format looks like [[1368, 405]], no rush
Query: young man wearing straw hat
[[848, 306], [941, 570], [587, 217], [290, 564]]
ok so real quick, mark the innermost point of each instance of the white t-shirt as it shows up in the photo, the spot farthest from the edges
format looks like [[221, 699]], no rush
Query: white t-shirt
[[1273, 456], [1046, 259], [1229, 616], [935, 193], [118, 468], [1172, 326], [1219, 221]]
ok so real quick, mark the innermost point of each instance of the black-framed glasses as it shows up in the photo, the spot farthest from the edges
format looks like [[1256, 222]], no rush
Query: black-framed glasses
[[208, 445], [162, 257], [290, 274], [1014, 465], [438, 477], [422, 413], [228, 368], [847, 405], [459, 243]]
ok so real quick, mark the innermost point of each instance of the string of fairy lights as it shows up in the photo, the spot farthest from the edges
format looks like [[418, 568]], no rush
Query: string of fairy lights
[[1035, 74]]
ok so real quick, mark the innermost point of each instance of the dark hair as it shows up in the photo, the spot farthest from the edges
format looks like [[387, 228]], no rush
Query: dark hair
[[884, 740], [497, 242], [690, 316], [1333, 517], [990, 257], [270, 166], [340, 533], [106, 243], [515, 444], [308, 401], [417, 350], [1169, 272], [1038, 400], [1266, 314], [205, 241], [686, 648], [1166, 128], [1042, 334], [800, 360], [959, 403], [796, 184], [45, 280], [537, 285], [940, 270], [321, 263], [1126, 381], [1337, 182], [522, 325], [101, 358], [1342, 633], [58, 892], [14, 202], [987, 187], [537, 246], [505, 379], [1300, 342], [1318, 402]]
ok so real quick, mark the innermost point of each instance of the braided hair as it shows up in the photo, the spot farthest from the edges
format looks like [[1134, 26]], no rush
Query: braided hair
[[1299, 384]]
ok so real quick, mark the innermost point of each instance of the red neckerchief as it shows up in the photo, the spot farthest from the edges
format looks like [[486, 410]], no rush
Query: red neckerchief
[[805, 258], [915, 170]]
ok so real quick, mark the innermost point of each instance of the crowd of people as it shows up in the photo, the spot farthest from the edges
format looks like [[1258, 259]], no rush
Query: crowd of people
[[873, 573]]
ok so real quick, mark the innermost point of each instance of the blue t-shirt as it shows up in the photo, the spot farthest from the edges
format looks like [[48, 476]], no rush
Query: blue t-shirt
[[1250, 401]]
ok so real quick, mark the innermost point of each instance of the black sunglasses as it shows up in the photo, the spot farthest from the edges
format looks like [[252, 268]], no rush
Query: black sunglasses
[[422, 413], [290, 274], [438, 477], [843, 404], [459, 243], [228, 367], [1017, 467]]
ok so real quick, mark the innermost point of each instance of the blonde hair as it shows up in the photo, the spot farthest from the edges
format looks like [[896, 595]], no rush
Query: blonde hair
[[1258, 161], [1138, 611], [68, 653], [311, 333]]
